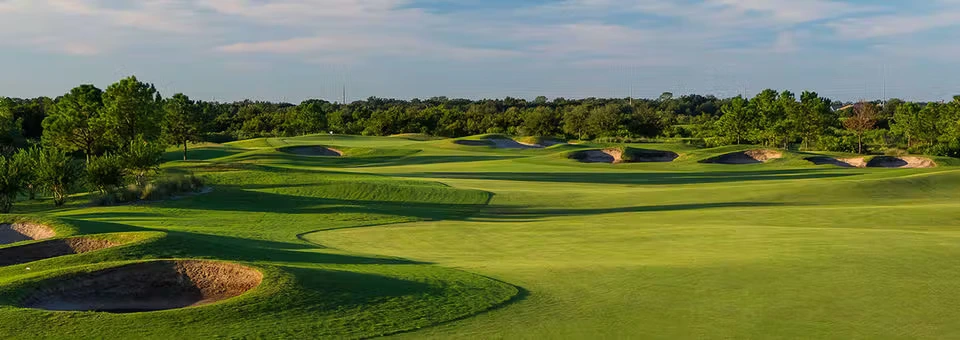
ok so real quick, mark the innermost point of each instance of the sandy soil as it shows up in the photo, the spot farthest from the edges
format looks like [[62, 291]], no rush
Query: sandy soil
[[315, 151], [616, 156], [146, 287], [50, 249], [602, 156], [858, 162], [901, 162], [19, 232], [747, 157], [502, 143], [473, 142]]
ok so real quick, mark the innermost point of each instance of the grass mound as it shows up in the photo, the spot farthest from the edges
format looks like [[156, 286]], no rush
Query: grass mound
[[149, 286], [313, 151], [746, 157], [50, 249], [901, 162], [19, 232]]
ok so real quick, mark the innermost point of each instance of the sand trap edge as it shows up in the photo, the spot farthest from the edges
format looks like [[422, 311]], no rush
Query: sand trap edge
[[16, 232], [150, 286]]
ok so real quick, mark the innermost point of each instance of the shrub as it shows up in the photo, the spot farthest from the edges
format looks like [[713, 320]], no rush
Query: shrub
[[142, 159], [160, 189], [105, 173], [28, 159], [58, 172], [12, 175]]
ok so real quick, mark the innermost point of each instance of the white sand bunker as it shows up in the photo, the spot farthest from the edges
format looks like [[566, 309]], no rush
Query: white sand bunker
[[901, 162], [313, 151], [615, 156], [144, 287], [19, 232], [51, 249], [857, 162], [746, 157]]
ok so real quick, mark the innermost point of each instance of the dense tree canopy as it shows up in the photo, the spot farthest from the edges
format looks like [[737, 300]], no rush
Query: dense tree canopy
[[92, 122]]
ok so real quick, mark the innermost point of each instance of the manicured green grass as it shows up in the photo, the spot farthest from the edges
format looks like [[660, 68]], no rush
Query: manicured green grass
[[429, 239]]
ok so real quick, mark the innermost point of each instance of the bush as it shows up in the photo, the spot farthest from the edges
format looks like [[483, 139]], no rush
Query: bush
[[12, 176], [105, 173], [159, 189], [142, 159], [58, 172]]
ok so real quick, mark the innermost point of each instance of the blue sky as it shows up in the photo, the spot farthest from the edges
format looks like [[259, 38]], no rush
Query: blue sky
[[291, 50]]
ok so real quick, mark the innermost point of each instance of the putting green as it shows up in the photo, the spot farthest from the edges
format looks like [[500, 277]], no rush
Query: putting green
[[428, 238]]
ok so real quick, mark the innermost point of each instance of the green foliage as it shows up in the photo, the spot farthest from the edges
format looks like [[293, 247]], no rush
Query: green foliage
[[575, 121], [142, 158], [739, 120], [132, 109], [106, 172], [181, 123], [57, 172], [75, 122], [541, 121], [14, 171], [604, 121]]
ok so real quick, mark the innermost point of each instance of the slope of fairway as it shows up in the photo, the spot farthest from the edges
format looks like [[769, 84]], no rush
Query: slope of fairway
[[429, 239]]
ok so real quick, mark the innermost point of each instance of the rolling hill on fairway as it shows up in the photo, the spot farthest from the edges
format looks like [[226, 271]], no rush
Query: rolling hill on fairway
[[423, 238]]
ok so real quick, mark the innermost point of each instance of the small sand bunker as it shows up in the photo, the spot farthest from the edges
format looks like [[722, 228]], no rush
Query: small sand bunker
[[145, 287], [600, 156], [858, 162], [314, 151], [901, 162], [468, 142], [746, 157], [503, 143], [19, 232], [616, 156], [51, 249]]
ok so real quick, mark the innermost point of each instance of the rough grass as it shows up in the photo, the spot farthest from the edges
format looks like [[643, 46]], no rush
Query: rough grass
[[434, 240]]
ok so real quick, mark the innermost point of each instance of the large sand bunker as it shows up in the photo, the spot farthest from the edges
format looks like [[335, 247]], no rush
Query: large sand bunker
[[144, 287], [746, 157], [901, 162], [50, 249], [857, 162], [313, 151], [19, 232], [617, 156]]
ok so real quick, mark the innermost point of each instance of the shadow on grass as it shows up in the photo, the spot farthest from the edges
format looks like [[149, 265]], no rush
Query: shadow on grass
[[399, 159], [343, 289], [178, 244], [239, 200], [645, 178]]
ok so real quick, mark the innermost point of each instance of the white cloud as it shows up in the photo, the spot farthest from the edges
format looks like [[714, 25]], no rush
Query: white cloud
[[891, 25]]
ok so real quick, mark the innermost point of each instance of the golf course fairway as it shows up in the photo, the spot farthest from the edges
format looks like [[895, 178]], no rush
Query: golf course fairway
[[420, 238]]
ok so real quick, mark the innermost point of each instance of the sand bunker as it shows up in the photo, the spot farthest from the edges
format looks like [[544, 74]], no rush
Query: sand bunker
[[473, 142], [503, 143], [858, 162], [901, 162], [19, 232], [746, 157], [616, 156], [314, 151], [50, 249], [145, 287]]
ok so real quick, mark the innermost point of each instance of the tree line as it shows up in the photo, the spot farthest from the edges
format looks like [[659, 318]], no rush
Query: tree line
[[120, 132]]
